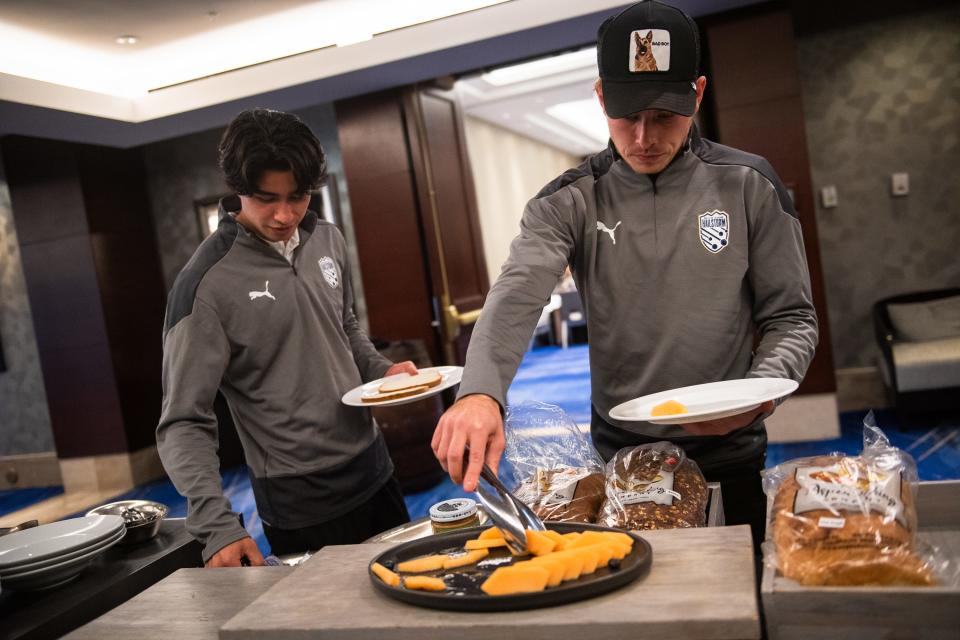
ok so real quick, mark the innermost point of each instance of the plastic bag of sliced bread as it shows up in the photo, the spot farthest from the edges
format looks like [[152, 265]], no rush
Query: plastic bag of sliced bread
[[654, 486], [551, 466], [850, 520]]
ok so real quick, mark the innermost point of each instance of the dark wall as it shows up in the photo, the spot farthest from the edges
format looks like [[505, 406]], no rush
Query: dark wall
[[90, 264], [386, 215], [757, 107], [882, 95], [24, 417]]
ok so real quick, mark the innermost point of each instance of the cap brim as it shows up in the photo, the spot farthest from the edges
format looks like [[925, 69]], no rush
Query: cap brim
[[621, 99]]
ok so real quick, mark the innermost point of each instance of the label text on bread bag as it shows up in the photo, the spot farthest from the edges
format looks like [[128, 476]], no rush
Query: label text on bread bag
[[551, 488], [853, 487], [659, 490]]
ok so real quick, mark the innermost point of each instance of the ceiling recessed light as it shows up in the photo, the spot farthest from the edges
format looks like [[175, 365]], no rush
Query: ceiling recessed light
[[586, 116], [126, 39], [584, 58]]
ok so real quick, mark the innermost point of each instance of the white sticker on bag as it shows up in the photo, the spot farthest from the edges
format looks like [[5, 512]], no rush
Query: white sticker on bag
[[649, 50], [659, 490], [831, 523]]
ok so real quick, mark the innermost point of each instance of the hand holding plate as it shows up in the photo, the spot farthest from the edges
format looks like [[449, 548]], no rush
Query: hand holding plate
[[723, 426]]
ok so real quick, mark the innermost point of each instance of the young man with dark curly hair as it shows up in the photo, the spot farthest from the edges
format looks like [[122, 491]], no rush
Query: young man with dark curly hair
[[263, 312]]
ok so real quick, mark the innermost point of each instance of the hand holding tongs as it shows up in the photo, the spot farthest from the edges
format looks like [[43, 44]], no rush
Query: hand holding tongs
[[507, 511]]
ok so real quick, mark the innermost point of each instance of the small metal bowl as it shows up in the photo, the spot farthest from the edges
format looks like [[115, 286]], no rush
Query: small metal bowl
[[142, 518]]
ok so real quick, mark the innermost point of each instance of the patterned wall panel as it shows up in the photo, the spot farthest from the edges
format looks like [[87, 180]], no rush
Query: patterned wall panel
[[24, 419], [180, 171], [879, 98]]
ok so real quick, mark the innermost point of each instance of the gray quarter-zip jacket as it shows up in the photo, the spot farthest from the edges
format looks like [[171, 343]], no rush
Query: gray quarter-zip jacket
[[282, 343], [677, 273]]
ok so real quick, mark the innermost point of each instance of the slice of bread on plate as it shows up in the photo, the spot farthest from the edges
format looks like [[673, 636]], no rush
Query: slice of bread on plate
[[394, 395], [401, 382]]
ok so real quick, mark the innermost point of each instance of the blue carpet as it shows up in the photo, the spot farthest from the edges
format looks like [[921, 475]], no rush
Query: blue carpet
[[933, 441], [555, 376], [15, 499], [562, 377]]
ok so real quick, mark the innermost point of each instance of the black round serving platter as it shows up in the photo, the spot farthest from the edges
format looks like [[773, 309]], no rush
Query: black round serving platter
[[463, 584]]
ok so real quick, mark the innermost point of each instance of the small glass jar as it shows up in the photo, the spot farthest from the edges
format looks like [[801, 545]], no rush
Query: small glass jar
[[458, 513]]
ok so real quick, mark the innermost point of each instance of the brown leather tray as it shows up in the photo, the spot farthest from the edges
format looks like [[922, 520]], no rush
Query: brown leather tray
[[464, 593]]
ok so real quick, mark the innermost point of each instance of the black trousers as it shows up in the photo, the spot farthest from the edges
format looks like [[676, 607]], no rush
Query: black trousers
[[384, 510], [741, 490]]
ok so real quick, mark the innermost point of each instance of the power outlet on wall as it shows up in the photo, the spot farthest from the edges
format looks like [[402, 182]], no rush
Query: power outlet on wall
[[900, 184], [828, 196]]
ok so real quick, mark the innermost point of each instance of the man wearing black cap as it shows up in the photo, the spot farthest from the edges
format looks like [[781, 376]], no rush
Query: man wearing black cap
[[689, 259]]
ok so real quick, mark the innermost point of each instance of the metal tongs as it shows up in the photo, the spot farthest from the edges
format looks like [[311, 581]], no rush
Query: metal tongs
[[507, 511]]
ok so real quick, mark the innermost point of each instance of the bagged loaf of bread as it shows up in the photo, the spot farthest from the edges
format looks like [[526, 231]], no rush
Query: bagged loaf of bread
[[654, 486], [550, 465], [564, 494], [847, 520]]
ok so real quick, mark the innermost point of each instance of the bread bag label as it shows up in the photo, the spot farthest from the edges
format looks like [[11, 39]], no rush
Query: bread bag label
[[659, 490], [851, 488], [554, 489]]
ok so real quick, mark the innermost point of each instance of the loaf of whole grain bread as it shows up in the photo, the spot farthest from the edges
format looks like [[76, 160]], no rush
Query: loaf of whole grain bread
[[654, 486]]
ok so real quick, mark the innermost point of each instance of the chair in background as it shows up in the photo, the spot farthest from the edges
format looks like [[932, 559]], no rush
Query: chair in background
[[571, 316], [919, 339], [546, 327]]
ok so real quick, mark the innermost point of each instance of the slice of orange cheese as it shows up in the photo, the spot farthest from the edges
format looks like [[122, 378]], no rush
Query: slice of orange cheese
[[471, 557], [668, 408], [517, 579], [386, 575], [422, 564], [424, 583]]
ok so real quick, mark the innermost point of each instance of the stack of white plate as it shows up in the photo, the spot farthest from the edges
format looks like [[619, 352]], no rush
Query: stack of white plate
[[53, 554]]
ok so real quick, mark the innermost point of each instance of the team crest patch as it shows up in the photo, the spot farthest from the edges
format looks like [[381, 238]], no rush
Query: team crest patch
[[714, 230], [329, 270]]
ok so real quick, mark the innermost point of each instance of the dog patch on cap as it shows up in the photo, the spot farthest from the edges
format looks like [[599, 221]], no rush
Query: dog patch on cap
[[649, 50]]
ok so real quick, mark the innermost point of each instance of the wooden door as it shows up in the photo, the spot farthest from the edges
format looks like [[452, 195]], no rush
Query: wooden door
[[449, 216], [415, 217], [758, 109]]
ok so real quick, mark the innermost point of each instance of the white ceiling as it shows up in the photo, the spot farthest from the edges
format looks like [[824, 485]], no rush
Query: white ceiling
[[198, 62], [533, 108], [93, 24]]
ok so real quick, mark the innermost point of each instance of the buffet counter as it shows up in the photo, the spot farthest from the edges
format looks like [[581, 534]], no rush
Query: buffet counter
[[701, 585], [113, 577], [191, 604]]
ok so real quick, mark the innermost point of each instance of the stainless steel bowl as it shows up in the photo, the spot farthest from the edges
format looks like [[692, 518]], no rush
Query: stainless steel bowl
[[142, 518]]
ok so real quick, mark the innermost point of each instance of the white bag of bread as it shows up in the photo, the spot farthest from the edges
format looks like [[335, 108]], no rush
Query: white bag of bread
[[843, 520]]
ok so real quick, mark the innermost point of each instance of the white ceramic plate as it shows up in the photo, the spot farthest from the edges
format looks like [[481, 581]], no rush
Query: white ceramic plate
[[9, 572], [706, 401], [55, 539], [451, 376], [56, 574]]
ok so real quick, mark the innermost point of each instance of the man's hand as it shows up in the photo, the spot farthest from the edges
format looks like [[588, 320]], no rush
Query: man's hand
[[406, 366], [231, 554], [724, 426], [472, 421]]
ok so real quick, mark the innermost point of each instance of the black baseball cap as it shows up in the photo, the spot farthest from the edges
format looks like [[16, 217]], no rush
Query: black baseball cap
[[649, 58]]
